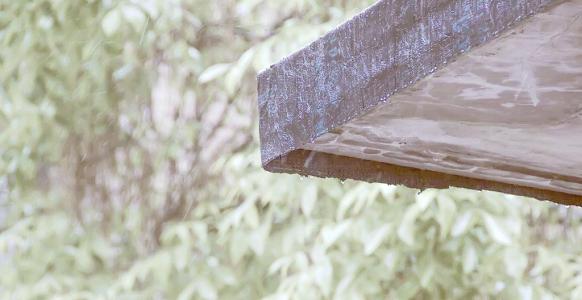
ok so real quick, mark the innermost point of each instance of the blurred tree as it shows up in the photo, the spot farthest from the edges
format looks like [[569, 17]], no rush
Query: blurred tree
[[129, 169]]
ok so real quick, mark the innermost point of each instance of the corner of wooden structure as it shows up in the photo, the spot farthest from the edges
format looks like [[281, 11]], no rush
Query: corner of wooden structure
[[359, 66]]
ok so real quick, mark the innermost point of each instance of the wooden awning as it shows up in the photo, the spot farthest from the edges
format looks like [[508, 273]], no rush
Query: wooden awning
[[468, 93]]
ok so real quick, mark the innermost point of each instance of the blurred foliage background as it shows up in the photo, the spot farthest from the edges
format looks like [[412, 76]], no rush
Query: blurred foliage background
[[129, 169]]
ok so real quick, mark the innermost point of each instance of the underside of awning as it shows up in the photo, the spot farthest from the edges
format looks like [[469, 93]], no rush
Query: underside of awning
[[471, 93]]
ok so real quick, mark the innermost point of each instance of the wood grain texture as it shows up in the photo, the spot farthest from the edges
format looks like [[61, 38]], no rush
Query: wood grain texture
[[363, 62], [506, 113], [313, 163]]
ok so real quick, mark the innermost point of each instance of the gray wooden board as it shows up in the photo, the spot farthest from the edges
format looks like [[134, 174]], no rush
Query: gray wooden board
[[474, 89]]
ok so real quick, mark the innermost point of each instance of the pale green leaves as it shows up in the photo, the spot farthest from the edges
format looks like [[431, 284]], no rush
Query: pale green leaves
[[213, 72], [407, 229], [111, 22], [331, 233], [114, 19], [323, 272], [69, 81], [470, 258], [202, 289], [259, 238], [462, 223], [309, 199], [515, 262], [375, 238], [134, 16], [354, 201], [447, 210], [235, 77], [497, 232], [232, 74], [443, 212], [425, 198]]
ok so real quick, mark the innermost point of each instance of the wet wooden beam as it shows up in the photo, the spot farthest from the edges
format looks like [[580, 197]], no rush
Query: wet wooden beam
[[471, 93]]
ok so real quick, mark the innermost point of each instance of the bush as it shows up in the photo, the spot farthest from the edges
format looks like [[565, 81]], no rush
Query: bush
[[129, 169]]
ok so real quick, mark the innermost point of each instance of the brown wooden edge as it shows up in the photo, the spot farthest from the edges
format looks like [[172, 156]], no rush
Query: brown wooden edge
[[305, 162]]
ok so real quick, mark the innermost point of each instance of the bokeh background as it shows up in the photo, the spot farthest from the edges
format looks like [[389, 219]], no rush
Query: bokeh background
[[129, 169]]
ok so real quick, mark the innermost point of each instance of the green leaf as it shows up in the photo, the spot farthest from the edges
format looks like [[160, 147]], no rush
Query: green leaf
[[407, 290], [426, 275], [470, 258], [309, 199], [446, 213], [239, 245], [134, 16], [462, 224], [280, 265], [259, 238], [343, 286], [331, 233], [375, 239], [111, 22], [496, 230], [323, 274], [206, 290], [235, 76], [213, 72], [345, 203], [188, 292], [425, 198], [251, 216], [406, 230]]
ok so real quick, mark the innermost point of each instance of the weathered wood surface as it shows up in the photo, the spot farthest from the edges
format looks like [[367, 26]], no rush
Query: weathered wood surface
[[305, 162], [508, 112]]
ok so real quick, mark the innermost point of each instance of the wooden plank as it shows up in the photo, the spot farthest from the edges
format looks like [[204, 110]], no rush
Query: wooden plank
[[508, 112], [305, 163]]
